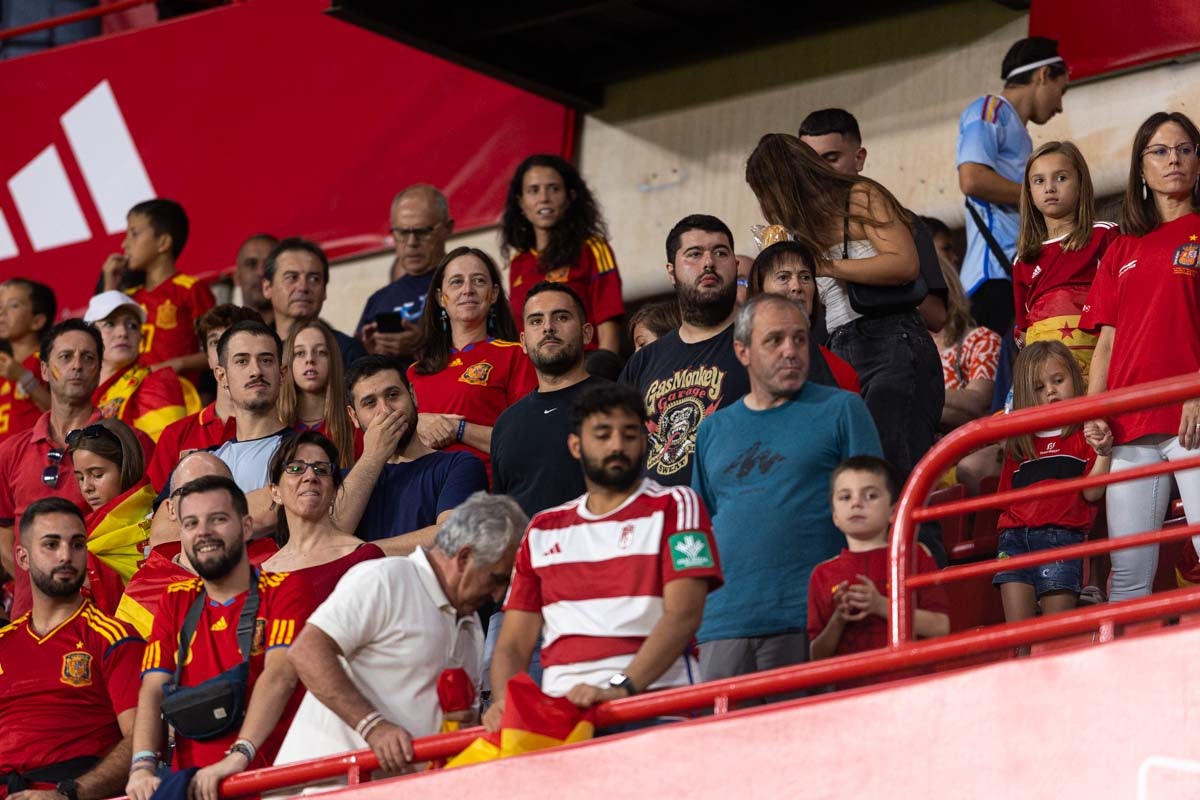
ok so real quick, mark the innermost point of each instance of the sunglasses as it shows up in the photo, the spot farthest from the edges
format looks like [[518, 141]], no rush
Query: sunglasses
[[90, 432], [50, 473], [321, 469]]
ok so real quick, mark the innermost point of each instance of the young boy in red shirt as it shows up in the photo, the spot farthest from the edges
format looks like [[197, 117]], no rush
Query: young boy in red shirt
[[848, 594]]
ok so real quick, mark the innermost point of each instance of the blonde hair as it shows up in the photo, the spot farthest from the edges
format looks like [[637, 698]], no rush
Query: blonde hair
[[1025, 375], [337, 420], [959, 321], [1033, 224]]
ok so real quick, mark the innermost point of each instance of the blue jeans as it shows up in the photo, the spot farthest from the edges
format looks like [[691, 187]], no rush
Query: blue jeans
[[1055, 576]]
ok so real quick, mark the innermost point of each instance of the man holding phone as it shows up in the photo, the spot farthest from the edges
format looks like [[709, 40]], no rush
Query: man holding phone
[[421, 224]]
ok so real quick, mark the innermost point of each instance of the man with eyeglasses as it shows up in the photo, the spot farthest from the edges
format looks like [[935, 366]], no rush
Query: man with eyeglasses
[[34, 463], [421, 224]]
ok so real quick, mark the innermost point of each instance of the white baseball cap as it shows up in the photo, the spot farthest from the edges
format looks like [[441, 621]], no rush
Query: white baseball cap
[[101, 306]]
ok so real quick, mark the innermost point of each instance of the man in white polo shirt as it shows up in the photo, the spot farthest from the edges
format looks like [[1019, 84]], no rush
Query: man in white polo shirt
[[371, 654]]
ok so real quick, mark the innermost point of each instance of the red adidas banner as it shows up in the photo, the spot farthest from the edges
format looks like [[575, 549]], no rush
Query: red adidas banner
[[262, 116]]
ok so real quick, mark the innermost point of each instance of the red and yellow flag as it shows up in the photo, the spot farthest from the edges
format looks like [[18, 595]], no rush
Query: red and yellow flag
[[532, 721]]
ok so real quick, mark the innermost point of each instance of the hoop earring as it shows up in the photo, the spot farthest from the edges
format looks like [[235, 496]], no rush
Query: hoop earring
[[445, 322]]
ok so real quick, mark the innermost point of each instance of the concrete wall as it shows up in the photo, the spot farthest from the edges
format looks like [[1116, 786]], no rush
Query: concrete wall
[[676, 142]]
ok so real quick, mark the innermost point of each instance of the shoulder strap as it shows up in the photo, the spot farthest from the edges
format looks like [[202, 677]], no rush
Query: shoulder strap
[[992, 244], [245, 629], [846, 230]]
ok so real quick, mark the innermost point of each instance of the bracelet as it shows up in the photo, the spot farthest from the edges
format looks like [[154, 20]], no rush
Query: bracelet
[[141, 755], [245, 747], [370, 727], [462, 428], [367, 722], [145, 762]]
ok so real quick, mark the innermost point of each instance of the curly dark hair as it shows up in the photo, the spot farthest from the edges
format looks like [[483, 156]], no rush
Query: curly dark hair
[[581, 220]]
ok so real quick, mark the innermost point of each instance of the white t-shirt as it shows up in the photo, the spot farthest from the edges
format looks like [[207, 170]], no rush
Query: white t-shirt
[[398, 631], [838, 310]]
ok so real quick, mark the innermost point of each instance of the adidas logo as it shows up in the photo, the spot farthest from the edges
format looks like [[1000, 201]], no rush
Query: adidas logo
[[1037, 271], [555, 550], [111, 167], [219, 625]]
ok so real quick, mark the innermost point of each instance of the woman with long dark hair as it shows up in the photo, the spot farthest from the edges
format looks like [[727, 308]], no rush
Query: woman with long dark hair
[[469, 366], [312, 397], [865, 245], [553, 225], [1145, 303]]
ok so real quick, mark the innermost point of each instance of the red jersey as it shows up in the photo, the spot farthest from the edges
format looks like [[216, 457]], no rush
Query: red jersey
[[1057, 458], [1148, 289], [198, 431], [594, 277], [1057, 284], [172, 309], [284, 605], [479, 382], [323, 429], [871, 632], [60, 693], [18, 412], [598, 581], [142, 399]]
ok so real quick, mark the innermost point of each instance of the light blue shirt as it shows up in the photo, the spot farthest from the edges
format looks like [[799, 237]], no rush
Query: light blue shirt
[[990, 132]]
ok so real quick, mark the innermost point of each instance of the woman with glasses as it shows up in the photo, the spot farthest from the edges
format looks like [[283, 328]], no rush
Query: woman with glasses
[[314, 400], [553, 225], [304, 482], [469, 367], [110, 469], [1145, 306]]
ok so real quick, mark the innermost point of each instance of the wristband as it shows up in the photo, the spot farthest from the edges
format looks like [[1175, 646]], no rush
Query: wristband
[[462, 428], [145, 762], [368, 722], [370, 726], [144, 754], [245, 747]]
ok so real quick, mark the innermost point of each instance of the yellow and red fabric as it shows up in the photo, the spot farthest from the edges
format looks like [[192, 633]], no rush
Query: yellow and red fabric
[[118, 531], [141, 398]]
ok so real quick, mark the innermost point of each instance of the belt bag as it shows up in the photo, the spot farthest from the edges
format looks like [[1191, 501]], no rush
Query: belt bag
[[876, 301], [217, 706]]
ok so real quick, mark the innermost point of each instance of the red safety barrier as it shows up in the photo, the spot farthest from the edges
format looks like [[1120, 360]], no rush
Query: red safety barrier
[[67, 19]]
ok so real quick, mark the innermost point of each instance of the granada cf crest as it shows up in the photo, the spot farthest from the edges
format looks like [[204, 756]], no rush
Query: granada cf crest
[[260, 636], [167, 315], [477, 374], [1188, 255], [77, 669]]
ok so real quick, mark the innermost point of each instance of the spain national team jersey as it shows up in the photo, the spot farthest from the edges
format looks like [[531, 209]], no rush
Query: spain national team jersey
[[60, 693], [141, 398], [479, 382], [18, 412], [284, 604], [594, 277], [1148, 289], [172, 309]]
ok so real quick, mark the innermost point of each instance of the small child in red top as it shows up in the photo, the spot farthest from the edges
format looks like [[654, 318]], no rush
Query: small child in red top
[[1046, 372], [848, 594]]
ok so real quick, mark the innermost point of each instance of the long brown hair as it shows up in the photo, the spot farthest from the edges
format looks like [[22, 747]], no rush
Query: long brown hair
[[1033, 224], [433, 348], [1025, 374], [1139, 215], [797, 189], [117, 444], [959, 321], [337, 420]]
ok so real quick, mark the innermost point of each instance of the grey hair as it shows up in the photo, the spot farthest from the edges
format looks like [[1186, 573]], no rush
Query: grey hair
[[435, 194], [489, 524], [743, 323]]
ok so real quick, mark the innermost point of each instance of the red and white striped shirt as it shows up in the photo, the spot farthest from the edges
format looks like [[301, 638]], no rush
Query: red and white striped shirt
[[598, 581]]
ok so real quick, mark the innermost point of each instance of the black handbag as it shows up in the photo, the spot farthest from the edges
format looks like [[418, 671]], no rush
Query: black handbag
[[1001, 257], [880, 301], [217, 706]]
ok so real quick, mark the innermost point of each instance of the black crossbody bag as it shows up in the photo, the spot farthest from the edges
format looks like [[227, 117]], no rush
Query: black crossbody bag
[[880, 301], [217, 706], [992, 244]]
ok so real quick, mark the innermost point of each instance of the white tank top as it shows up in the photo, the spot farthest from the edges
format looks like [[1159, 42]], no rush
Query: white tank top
[[833, 291]]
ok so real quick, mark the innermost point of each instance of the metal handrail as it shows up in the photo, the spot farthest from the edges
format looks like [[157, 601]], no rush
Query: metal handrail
[[67, 19]]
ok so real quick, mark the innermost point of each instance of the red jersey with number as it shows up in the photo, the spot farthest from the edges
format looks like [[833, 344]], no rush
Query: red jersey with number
[[1056, 284], [479, 382], [1057, 458], [198, 431], [1148, 290], [18, 412], [870, 632], [172, 309], [285, 602], [61, 692], [594, 277]]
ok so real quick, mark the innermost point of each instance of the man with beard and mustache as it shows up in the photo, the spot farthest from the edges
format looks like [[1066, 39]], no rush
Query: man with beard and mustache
[[767, 488], [688, 374], [530, 459], [402, 489], [615, 580], [216, 525], [64, 661]]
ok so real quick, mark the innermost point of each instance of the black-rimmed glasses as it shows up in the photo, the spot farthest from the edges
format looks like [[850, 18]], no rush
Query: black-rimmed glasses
[[322, 469], [50, 473]]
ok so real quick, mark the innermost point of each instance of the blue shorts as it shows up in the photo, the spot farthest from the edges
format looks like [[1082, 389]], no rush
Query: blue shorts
[[1056, 576]]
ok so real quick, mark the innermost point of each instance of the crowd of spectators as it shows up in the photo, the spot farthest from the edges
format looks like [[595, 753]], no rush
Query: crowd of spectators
[[237, 536]]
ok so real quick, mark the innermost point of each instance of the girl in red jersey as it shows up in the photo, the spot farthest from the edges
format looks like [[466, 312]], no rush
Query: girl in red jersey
[[1059, 247], [1046, 372], [313, 400], [552, 223], [1145, 303], [469, 366]]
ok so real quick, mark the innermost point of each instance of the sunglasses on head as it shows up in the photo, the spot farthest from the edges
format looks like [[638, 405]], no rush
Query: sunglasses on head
[[90, 432]]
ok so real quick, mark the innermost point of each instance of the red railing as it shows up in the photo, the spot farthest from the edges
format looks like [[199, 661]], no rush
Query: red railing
[[67, 19], [902, 655]]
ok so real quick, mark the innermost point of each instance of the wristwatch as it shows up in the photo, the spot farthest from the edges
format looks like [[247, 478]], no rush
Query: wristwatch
[[68, 788], [622, 681]]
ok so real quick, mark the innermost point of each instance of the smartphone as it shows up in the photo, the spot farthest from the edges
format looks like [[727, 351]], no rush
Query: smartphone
[[389, 322]]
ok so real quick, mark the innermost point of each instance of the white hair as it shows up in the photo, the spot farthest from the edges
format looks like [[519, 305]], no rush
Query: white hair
[[489, 524]]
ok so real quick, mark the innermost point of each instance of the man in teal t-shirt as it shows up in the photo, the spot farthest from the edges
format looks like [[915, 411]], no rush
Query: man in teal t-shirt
[[762, 468]]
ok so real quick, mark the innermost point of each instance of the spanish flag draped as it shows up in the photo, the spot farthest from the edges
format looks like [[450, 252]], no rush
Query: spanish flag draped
[[532, 721], [118, 530]]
